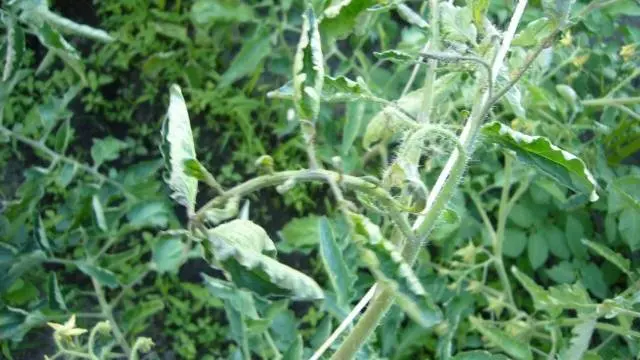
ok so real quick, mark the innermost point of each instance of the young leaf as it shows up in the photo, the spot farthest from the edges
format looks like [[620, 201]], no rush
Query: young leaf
[[479, 10], [177, 146], [341, 278], [612, 256], [580, 340], [534, 32], [388, 267], [239, 247], [308, 69], [516, 348], [103, 276], [538, 151], [457, 23], [251, 54]]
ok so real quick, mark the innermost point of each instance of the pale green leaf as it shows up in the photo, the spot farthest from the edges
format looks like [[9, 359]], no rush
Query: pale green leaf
[[247, 60], [334, 89], [479, 10], [538, 151], [239, 247], [568, 94], [342, 279], [457, 23], [300, 234], [103, 276], [177, 146], [308, 69], [579, 343], [154, 214], [510, 345], [613, 257]]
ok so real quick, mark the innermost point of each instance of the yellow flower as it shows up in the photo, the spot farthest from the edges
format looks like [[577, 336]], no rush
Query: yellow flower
[[496, 304], [628, 51], [566, 39], [68, 329], [578, 61]]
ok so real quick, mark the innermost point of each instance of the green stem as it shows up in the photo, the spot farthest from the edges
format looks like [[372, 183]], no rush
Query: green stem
[[503, 212], [108, 313], [624, 82], [56, 157], [606, 101], [430, 76]]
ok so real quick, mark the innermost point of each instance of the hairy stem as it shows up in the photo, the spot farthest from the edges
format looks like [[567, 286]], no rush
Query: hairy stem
[[430, 77], [108, 313]]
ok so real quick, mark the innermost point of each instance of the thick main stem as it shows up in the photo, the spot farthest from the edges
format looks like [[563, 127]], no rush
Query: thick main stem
[[438, 198]]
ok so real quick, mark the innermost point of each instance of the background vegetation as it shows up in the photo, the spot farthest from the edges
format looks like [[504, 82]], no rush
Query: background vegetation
[[87, 226]]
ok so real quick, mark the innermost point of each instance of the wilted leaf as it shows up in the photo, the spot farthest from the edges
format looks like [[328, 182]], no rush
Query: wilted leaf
[[510, 345], [177, 146], [239, 299], [52, 39], [308, 69], [40, 233], [15, 47], [411, 16], [54, 295], [538, 151], [239, 247]]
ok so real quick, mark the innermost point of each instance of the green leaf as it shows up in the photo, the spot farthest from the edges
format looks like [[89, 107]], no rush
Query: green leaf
[[479, 355], [389, 268], [541, 298], [135, 316], [177, 146], [624, 192], [300, 234], [611, 256], [513, 97], [172, 31], [521, 215], [15, 47], [341, 278], [568, 94], [18, 265], [15, 323], [510, 345], [239, 299], [593, 279], [107, 149], [343, 16], [54, 295], [579, 343], [515, 241], [355, 115], [538, 151], [340, 88], [562, 273], [411, 16], [558, 9], [103, 276], [457, 23], [63, 136], [629, 227], [574, 233], [308, 69], [205, 12], [52, 39], [239, 247], [153, 214], [40, 233], [538, 250], [249, 57], [534, 32], [168, 254], [98, 213], [294, 352], [396, 56], [557, 241]]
